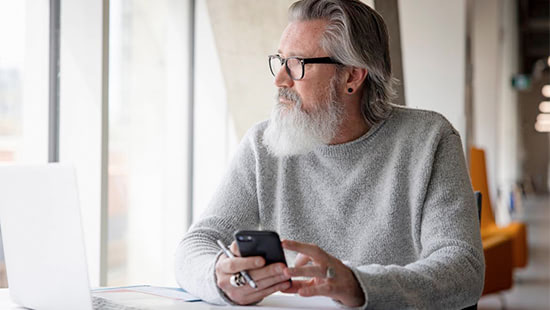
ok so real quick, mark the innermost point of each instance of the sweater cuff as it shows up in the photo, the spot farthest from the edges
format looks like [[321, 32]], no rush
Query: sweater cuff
[[362, 284]]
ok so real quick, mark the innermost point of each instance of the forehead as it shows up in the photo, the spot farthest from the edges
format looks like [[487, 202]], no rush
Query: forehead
[[302, 38]]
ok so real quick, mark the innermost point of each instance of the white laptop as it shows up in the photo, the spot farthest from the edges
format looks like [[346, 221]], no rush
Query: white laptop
[[43, 239]]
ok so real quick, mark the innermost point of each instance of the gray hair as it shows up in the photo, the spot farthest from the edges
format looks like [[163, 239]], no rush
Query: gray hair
[[355, 36]]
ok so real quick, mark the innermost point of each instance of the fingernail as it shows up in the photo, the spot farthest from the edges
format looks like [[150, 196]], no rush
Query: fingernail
[[278, 269], [258, 262]]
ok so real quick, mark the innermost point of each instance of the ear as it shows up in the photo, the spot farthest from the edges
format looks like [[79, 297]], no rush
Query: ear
[[355, 79]]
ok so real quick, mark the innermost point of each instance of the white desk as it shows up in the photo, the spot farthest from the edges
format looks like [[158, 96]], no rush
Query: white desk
[[270, 303]]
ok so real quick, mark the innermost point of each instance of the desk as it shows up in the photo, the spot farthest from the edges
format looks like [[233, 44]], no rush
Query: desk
[[273, 302]]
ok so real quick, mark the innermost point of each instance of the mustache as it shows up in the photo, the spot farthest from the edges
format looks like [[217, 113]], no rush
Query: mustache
[[288, 94]]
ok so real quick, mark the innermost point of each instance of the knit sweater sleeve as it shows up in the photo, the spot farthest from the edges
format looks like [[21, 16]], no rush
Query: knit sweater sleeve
[[450, 271], [233, 207]]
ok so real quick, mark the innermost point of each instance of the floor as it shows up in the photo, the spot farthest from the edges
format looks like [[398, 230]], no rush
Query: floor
[[532, 284]]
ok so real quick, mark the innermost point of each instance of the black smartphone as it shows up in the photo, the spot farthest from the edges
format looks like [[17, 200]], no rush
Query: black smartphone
[[260, 243]]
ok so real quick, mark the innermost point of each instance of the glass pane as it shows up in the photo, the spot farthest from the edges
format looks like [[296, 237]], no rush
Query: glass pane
[[23, 87], [148, 78]]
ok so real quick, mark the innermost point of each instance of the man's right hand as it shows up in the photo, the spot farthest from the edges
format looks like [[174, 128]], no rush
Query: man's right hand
[[269, 279]]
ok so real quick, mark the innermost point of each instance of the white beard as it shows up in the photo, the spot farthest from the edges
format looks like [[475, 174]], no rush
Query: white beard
[[292, 131]]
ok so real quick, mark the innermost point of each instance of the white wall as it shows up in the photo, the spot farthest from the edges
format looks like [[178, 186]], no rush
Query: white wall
[[508, 128], [485, 58], [433, 43], [433, 35], [495, 60]]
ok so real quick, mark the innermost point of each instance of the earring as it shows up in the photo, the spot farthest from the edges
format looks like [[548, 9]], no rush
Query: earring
[[350, 90]]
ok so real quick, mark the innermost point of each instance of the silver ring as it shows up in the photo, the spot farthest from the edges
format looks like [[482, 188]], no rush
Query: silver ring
[[330, 273], [237, 280]]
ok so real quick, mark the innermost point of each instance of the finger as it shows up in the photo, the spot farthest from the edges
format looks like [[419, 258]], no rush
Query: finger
[[261, 284], [308, 271], [312, 250], [234, 249], [301, 260], [268, 271], [234, 265], [259, 295], [324, 289], [297, 285], [268, 282]]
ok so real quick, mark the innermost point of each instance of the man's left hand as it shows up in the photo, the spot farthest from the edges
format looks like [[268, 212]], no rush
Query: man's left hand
[[339, 283]]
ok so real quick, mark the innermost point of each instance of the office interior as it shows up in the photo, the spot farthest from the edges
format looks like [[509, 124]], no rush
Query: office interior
[[149, 99]]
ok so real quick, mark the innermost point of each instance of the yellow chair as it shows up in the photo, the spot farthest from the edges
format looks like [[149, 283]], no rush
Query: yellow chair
[[497, 250], [499, 268], [516, 231]]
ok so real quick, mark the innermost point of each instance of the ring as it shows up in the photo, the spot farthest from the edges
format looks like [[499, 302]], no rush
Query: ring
[[330, 273], [237, 280]]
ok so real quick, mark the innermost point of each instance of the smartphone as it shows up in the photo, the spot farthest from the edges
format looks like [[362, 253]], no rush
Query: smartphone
[[260, 243]]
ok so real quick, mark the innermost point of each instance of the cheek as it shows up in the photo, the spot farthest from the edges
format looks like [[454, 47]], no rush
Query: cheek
[[308, 99], [312, 94]]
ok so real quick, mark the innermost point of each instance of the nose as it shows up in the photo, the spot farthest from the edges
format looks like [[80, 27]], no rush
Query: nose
[[282, 79]]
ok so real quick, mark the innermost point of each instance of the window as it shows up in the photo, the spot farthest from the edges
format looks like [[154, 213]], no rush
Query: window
[[148, 120], [23, 86], [148, 113]]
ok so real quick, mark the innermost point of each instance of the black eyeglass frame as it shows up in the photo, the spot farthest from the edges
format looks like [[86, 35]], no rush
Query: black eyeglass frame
[[303, 62]]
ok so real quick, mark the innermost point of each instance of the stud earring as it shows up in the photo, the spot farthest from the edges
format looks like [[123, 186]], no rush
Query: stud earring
[[350, 90]]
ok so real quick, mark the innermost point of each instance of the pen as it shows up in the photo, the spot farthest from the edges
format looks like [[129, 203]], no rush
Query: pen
[[243, 273]]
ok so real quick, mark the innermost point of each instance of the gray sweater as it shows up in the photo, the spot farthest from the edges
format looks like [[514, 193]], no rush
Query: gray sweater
[[396, 205]]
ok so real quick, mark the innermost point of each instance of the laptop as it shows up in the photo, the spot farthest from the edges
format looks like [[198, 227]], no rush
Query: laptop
[[43, 239]]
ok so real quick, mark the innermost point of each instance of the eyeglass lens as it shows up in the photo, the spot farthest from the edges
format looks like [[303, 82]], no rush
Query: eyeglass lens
[[294, 66]]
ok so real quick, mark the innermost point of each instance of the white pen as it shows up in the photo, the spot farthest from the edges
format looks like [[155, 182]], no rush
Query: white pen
[[243, 272]]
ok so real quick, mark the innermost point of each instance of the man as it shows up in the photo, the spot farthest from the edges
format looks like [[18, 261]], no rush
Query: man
[[376, 198]]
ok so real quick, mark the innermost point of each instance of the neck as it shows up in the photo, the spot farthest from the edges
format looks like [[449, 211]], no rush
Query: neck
[[354, 124], [351, 129]]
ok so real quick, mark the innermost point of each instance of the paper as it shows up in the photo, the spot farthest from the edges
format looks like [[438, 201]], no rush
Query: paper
[[174, 298], [166, 292], [174, 293]]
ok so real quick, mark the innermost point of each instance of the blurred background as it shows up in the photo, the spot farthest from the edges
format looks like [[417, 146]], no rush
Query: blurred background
[[148, 99]]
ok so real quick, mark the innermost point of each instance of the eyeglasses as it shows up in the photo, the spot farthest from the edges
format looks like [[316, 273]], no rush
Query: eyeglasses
[[295, 65]]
